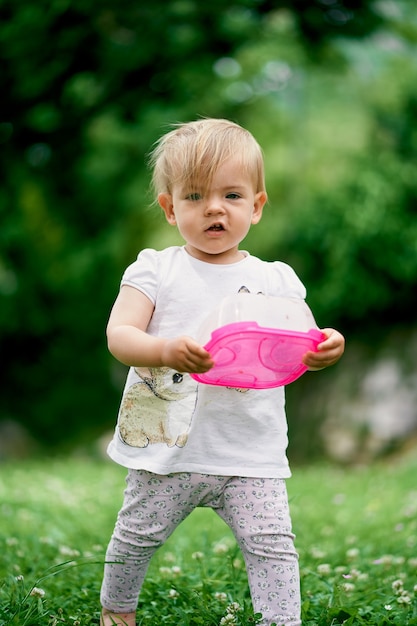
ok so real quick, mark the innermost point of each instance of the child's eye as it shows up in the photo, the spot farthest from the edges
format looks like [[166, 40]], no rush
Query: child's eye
[[193, 197], [233, 196]]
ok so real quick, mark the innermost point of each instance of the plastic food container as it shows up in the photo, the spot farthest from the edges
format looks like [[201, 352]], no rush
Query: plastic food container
[[257, 341]]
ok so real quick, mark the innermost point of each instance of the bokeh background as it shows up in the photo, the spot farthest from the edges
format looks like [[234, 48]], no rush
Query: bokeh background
[[329, 89]]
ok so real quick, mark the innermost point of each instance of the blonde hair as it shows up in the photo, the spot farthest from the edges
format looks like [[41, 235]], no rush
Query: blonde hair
[[191, 153]]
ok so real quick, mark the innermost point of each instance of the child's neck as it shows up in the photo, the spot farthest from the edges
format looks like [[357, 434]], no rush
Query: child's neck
[[226, 258]]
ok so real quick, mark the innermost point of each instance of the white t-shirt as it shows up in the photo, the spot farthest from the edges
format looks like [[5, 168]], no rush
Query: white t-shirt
[[170, 423]]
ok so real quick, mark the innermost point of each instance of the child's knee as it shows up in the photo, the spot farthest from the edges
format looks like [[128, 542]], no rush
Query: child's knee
[[263, 544]]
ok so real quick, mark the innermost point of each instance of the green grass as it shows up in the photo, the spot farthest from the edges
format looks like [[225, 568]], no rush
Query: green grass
[[356, 535]]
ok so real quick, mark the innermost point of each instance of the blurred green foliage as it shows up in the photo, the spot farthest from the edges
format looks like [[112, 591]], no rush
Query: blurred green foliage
[[326, 86]]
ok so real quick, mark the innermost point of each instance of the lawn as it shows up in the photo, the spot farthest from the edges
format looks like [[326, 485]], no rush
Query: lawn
[[356, 535]]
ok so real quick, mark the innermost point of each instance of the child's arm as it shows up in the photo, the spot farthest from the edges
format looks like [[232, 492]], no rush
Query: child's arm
[[329, 351], [129, 342]]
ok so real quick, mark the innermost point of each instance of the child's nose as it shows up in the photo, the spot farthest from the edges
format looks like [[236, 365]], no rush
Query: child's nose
[[214, 206]]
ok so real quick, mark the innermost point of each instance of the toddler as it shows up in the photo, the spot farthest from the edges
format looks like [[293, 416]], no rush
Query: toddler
[[186, 444]]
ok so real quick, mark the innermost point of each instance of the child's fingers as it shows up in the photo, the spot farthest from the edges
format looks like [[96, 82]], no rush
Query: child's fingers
[[194, 358], [334, 339]]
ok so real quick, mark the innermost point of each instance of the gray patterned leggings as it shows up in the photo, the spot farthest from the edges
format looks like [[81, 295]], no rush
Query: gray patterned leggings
[[256, 510]]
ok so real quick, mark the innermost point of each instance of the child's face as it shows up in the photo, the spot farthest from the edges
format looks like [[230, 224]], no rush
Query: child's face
[[214, 222]]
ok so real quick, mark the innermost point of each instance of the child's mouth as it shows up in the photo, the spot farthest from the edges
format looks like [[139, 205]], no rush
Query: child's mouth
[[216, 227]]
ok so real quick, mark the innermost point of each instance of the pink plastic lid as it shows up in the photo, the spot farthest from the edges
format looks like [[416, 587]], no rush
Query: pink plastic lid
[[254, 357]]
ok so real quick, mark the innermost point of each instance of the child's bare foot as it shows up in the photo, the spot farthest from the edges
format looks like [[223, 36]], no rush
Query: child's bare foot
[[117, 619]]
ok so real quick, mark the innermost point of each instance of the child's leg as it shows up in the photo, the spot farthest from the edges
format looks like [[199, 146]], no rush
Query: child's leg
[[153, 507], [257, 511], [146, 519]]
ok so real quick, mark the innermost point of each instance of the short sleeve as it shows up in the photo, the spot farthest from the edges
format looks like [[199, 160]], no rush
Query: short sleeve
[[142, 273], [286, 281]]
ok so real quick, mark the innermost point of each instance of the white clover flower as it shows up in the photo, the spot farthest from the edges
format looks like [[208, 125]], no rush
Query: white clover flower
[[353, 553], [228, 619], [339, 498], [351, 540], [234, 608], [324, 569], [347, 587], [388, 607], [37, 592], [412, 562], [221, 596], [197, 556], [316, 553], [220, 548], [385, 559], [12, 541], [173, 593], [19, 578], [66, 551], [176, 570], [397, 586], [404, 598]]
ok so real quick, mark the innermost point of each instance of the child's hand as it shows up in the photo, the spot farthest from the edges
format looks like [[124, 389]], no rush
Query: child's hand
[[329, 351], [186, 355]]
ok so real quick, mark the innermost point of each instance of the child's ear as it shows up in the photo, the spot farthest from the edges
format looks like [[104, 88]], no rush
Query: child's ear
[[258, 206], [165, 202]]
